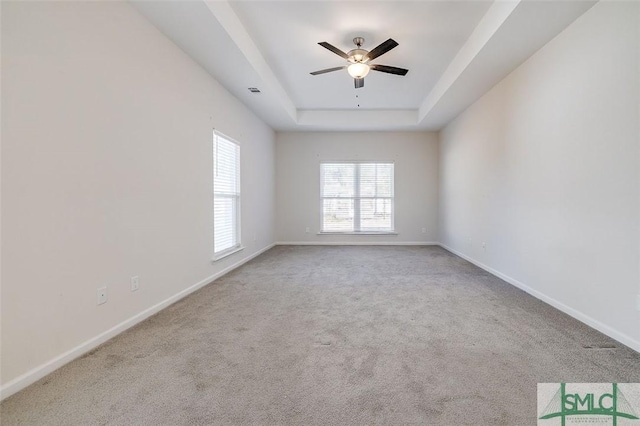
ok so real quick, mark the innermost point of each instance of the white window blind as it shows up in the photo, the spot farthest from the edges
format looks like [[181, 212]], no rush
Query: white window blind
[[226, 195], [357, 197]]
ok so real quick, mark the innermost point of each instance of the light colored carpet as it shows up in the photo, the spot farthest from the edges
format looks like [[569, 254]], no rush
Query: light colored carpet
[[332, 335]]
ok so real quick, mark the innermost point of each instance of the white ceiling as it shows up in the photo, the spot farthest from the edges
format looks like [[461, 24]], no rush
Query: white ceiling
[[454, 50], [429, 33]]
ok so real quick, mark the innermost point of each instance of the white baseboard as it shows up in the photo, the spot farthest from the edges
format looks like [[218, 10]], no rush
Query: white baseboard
[[48, 367], [591, 322], [39, 372], [358, 243], [582, 317]]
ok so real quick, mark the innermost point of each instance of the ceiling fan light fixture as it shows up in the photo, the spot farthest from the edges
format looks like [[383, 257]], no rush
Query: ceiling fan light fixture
[[358, 60], [358, 70]]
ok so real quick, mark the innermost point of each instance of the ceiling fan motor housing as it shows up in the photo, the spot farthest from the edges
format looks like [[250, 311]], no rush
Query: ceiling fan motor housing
[[357, 55]]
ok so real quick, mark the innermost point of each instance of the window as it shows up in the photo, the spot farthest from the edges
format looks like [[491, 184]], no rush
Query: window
[[357, 197], [226, 196]]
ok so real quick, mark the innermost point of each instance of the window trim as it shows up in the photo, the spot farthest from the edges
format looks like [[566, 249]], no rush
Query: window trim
[[356, 213], [357, 233], [238, 196]]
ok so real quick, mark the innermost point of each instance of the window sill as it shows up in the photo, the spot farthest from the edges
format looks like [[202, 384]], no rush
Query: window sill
[[360, 233], [224, 254]]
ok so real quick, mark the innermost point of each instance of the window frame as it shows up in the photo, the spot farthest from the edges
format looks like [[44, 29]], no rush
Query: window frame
[[237, 196], [356, 198]]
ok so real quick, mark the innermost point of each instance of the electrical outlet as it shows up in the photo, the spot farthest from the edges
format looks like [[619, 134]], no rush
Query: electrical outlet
[[102, 295], [424, 230], [135, 283], [484, 246], [307, 230]]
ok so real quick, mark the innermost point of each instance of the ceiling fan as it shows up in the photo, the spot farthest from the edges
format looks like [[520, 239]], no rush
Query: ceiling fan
[[359, 59]]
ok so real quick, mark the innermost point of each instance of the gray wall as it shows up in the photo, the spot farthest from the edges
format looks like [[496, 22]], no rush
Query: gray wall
[[298, 157], [106, 174], [543, 169]]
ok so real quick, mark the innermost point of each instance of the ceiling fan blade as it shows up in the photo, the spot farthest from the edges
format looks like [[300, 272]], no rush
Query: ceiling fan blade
[[328, 70], [359, 82], [388, 69], [381, 49], [333, 49]]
